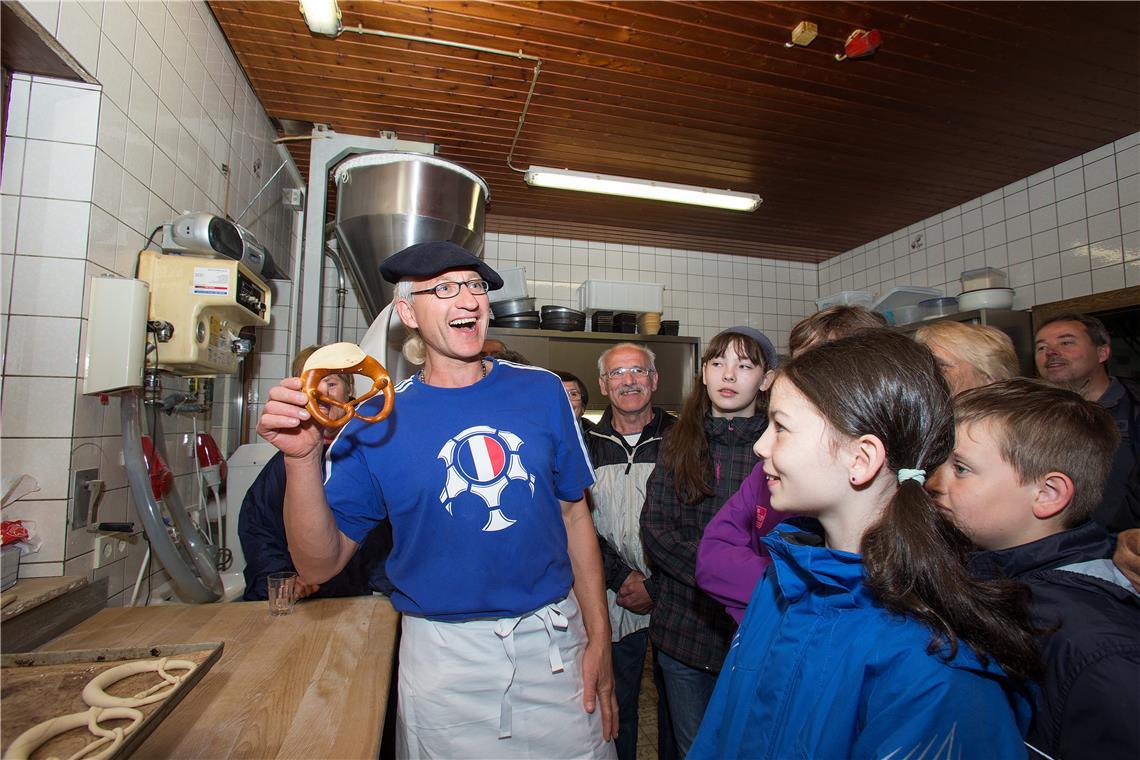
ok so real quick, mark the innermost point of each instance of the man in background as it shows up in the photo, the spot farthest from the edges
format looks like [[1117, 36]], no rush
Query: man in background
[[623, 447], [1072, 351]]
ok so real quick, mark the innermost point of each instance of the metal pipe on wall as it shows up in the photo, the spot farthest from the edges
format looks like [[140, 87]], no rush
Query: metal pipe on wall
[[196, 580]]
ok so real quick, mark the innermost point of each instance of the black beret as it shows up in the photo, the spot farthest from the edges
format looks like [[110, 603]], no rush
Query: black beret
[[424, 260]]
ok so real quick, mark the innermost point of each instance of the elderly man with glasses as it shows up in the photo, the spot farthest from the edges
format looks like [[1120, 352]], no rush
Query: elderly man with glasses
[[623, 446], [481, 469]]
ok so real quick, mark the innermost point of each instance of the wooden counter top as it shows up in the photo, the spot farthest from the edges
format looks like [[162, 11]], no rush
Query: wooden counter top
[[313, 684], [29, 593]]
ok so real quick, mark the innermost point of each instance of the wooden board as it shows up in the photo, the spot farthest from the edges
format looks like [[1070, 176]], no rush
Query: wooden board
[[38, 686], [33, 592], [313, 684]]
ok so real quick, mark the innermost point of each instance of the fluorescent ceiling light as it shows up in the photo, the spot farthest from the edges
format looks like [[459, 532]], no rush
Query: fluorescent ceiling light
[[322, 16], [565, 179]]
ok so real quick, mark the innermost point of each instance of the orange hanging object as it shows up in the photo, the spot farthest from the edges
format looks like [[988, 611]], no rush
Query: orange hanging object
[[860, 44]]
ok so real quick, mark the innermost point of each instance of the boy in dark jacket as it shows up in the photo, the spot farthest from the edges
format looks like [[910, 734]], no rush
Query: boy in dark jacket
[[1027, 472]]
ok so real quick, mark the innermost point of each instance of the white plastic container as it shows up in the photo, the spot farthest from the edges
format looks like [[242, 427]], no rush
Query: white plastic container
[[847, 298], [904, 295], [514, 285], [610, 295], [984, 278]]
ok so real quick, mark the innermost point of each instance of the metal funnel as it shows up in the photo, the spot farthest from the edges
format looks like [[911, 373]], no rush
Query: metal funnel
[[388, 201]]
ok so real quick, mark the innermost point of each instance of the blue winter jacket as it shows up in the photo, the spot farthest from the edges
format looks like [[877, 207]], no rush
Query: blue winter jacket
[[819, 670]]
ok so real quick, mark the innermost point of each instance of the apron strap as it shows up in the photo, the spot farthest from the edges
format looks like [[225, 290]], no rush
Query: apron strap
[[552, 620]]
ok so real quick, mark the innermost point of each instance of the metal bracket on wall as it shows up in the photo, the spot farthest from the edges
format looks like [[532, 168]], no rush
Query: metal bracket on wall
[[81, 501]]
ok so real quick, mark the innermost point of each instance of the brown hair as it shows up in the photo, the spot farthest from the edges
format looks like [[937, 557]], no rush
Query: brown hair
[[1040, 429], [986, 349], [1093, 326], [833, 322], [570, 377], [686, 452], [882, 383]]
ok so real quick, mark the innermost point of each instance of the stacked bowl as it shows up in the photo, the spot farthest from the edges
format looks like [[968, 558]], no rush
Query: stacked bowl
[[649, 323]]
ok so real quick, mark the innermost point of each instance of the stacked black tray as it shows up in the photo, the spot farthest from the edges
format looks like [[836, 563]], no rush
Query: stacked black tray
[[603, 321], [669, 327], [517, 312], [625, 322], [563, 318]]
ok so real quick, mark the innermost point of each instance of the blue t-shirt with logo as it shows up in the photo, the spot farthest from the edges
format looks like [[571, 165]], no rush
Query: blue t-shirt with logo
[[471, 480]]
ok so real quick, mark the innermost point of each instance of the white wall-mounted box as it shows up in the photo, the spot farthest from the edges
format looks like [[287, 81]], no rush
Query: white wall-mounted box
[[611, 295], [116, 335]]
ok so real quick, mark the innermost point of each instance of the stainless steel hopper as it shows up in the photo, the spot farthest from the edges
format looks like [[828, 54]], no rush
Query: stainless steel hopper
[[387, 201]]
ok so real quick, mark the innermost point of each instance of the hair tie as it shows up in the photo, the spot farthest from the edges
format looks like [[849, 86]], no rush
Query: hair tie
[[919, 475]]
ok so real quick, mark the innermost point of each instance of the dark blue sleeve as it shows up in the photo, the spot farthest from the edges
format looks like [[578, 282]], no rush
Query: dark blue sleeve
[[370, 558], [261, 529]]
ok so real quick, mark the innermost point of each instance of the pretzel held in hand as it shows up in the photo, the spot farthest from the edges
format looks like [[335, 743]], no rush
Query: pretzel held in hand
[[349, 359]]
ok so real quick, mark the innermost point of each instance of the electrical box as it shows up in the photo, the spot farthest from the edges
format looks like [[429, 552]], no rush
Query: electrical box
[[293, 198], [804, 33], [207, 301], [116, 335]]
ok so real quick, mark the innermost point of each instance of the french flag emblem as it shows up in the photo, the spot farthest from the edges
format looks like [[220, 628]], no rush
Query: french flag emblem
[[482, 458]]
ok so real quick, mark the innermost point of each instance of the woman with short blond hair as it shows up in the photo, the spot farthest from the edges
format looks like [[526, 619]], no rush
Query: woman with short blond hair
[[969, 356]]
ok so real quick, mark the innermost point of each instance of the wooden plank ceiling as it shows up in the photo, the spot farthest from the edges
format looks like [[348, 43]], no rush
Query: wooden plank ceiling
[[961, 99]]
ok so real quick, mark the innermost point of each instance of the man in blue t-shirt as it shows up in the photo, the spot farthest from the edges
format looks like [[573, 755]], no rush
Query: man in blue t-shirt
[[481, 470]]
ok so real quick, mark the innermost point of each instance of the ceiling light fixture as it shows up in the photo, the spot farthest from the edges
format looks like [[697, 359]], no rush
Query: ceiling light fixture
[[322, 16], [565, 179]]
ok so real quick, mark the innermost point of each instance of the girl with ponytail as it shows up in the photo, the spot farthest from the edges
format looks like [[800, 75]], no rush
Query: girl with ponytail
[[867, 637]]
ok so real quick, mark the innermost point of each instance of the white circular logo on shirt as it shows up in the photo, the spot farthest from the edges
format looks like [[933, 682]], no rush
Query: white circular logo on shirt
[[482, 460]]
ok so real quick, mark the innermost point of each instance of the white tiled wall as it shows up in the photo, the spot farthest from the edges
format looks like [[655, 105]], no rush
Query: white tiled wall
[[1066, 232], [89, 172]]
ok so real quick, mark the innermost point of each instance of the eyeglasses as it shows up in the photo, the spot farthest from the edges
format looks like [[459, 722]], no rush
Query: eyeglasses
[[574, 394], [450, 288], [619, 372]]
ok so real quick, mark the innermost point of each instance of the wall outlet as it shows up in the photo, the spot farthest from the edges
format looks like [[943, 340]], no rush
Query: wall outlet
[[110, 548]]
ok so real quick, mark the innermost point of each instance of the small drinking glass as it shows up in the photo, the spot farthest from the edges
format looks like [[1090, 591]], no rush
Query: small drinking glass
[[282, 593]]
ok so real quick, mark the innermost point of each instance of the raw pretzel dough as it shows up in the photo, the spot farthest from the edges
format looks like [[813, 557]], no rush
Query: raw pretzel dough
[[94, 694], [38, 735], [103, 705]]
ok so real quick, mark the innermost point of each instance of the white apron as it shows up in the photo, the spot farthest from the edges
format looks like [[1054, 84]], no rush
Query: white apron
[[507, 688]]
